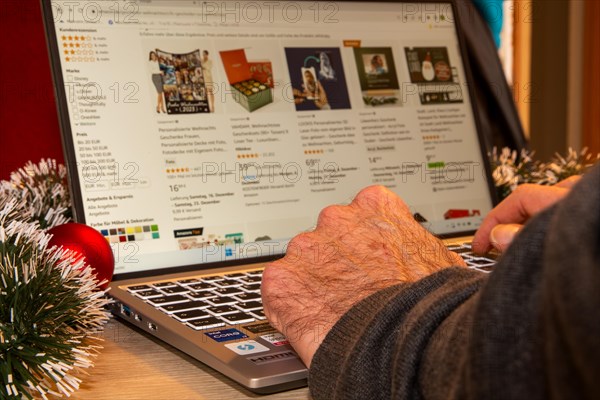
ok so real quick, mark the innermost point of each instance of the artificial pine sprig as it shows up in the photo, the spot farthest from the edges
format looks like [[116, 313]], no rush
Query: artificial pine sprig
[[50, 312], [43, 192], [50, 305]]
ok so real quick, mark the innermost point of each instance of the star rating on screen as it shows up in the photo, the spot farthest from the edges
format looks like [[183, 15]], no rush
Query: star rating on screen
[[77, 48]]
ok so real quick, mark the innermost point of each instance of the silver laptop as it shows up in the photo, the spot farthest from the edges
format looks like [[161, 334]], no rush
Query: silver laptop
[[201, 136]]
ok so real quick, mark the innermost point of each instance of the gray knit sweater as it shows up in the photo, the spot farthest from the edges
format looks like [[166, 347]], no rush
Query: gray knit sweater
[[528, 330]]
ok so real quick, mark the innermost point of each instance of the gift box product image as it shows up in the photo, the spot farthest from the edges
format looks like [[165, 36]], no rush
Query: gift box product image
[[250, 87]]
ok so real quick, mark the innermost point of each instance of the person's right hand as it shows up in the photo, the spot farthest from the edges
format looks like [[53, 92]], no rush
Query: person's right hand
[[501, 225], [354, 251]]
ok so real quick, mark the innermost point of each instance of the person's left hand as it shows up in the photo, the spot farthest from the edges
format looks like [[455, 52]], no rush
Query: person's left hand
[[504, 222], [354, 251]]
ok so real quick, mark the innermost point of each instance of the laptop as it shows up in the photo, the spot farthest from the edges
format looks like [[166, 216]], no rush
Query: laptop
[[201, 136]]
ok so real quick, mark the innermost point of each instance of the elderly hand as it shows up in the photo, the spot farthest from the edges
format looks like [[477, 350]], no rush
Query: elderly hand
[[501, 225], [354, 251]]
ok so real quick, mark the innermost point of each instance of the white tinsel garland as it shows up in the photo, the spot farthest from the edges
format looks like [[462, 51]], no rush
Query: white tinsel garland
[[42, 192], [50, 306]]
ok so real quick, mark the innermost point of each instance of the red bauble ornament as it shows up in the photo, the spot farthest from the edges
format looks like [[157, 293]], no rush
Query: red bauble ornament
[[89, 243]]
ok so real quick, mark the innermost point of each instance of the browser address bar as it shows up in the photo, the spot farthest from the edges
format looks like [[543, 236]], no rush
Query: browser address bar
[[276, 14]]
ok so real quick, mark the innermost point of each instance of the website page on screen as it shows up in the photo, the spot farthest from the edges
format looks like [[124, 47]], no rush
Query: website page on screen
[[209, 131]]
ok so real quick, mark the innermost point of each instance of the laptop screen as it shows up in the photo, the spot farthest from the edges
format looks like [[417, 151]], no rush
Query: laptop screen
[[199, 132]]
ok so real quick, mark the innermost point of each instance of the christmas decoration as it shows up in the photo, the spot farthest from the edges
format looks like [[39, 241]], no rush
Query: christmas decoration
[[41, 191], [510, 170], [89, 243], [50, 305]]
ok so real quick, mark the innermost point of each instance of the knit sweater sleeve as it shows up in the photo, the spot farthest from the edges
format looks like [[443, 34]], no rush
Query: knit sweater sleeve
[[524, 331], [357, 359]]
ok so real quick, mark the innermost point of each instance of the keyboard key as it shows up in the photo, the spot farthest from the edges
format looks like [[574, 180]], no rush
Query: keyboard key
[[258, 314], [243, 297], [164, 300], [161, 285], [205, 323], [250, 306], [251, 288], [481, 262], [257, 272], [235, 275], [228, 283], [228, 291], [147, 294], [201, 295], [190, 281], [238, 318], [222, 310], [201, 286], [251, 279], [190, 305], [215, 278], [191, 315], [221, 301], [138, 288], [174, 290]]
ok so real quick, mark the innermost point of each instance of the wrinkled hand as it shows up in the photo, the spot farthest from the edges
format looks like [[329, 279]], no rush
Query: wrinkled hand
[[502, 224], [354, 251]]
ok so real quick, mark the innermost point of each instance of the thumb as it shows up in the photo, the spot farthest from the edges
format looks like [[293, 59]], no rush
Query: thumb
[[503, 234]]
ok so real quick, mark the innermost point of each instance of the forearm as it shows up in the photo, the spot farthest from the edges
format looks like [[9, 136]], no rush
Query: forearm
[[455, 334], [376, 349], [525, 331]]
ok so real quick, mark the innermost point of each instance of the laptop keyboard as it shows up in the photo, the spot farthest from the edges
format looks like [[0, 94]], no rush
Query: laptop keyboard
[[208, 301], [213, 301], [480, 263]]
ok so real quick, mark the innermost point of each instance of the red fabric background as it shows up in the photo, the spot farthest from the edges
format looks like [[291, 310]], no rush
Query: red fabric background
[[28, 117]]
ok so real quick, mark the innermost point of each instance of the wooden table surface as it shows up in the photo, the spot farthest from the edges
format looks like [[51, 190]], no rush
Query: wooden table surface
[[133, 365]]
